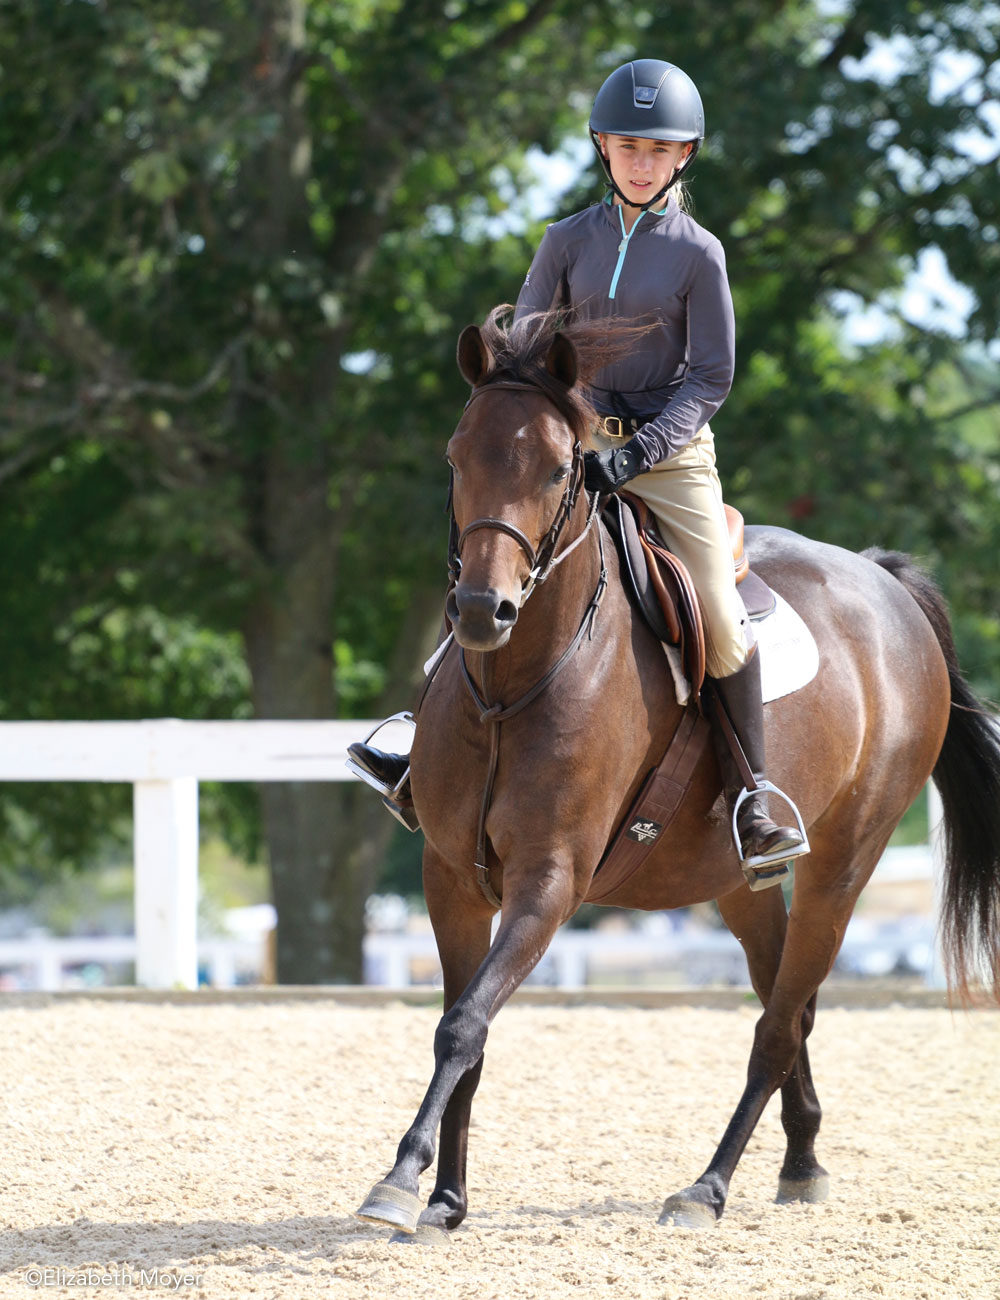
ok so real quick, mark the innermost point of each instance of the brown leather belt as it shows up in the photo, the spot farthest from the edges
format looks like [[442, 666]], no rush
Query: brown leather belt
[[612, 426]]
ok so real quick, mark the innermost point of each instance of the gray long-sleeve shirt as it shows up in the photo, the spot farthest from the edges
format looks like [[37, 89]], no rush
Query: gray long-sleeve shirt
[[668, 268]]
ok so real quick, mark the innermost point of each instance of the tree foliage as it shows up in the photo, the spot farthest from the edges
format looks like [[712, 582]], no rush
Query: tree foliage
[[240, 239]]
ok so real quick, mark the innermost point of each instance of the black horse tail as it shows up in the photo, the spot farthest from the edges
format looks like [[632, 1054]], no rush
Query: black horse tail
[[967, 775]]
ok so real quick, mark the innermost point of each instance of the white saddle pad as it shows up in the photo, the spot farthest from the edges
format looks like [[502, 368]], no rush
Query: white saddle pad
[[789, 656]]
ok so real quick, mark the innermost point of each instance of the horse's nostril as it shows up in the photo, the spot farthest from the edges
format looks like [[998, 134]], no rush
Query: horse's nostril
[[481, 619], [506, 615], [478, 608]]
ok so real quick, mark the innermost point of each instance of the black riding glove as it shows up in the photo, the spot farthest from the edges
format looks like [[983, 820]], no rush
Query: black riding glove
[[607, 471]]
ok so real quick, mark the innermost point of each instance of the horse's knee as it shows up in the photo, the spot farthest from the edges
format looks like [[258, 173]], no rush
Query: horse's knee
[[776, 1046], [460, 1038]]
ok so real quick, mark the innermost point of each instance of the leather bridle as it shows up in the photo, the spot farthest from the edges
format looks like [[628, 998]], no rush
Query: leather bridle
[[542, 561]]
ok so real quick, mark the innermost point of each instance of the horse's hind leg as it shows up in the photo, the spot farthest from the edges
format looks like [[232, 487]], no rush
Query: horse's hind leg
[[820, 913], [802, 1177], [760, 923]]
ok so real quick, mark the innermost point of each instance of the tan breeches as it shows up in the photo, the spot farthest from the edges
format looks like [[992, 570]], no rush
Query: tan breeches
[[685, 495]]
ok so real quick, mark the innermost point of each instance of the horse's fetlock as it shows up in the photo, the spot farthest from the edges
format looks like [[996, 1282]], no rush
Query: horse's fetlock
[[449, 1205], [416, 1151], [718, 1189]]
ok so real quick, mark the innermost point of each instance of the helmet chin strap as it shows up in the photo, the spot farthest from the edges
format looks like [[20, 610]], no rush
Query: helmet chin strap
[[679, 170]]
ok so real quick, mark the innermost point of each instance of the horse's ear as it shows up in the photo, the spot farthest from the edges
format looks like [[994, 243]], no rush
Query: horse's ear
[[474, 357], [561, 360]]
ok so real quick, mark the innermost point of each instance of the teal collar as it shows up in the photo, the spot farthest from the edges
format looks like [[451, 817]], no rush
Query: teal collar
[[609, 200]]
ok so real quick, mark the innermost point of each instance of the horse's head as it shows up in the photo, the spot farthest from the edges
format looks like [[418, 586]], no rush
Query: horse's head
[[517, 470]]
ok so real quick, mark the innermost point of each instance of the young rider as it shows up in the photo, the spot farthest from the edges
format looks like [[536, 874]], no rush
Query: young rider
[[638, 254]]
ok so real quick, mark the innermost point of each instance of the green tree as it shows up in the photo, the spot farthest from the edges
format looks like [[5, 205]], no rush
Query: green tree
[[239, 241]]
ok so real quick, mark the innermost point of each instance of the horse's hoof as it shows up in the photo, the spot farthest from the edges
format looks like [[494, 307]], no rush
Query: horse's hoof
[[682, 1211], [392, 1206], [426, 1234], [812, 1190]]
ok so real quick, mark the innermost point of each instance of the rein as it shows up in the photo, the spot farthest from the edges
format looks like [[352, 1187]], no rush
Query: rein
[[541, 563]]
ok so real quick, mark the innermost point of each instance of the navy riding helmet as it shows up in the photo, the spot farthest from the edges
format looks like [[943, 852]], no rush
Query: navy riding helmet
[[651, 100]]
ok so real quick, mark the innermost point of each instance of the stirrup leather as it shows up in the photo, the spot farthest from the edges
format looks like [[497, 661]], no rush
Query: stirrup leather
[[391, 792], [761, 869]]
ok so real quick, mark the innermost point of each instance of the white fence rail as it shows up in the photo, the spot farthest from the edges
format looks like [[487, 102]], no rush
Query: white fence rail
[[164, 759], [661, 951], [50, 962]]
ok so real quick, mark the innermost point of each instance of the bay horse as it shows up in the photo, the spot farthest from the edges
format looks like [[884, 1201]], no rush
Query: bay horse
[[557, 700]]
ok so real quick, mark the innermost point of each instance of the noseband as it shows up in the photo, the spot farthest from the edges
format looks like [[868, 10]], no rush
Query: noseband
[[540, 562]]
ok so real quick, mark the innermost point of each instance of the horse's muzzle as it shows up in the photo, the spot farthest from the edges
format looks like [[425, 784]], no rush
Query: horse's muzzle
[[481, 620]]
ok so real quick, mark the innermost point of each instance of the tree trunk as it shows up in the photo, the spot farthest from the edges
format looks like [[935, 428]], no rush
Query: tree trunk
[[325, 840], [320, 870], [323, 863]]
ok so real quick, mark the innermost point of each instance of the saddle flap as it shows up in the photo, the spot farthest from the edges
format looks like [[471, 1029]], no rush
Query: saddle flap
[[660, 587], [675, 590], [635, 572]]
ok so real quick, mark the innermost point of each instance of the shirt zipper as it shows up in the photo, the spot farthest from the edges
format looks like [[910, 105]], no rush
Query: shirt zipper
[[623, 248]]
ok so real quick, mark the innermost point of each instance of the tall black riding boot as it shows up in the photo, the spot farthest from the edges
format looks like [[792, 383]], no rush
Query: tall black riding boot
[[765, 848]]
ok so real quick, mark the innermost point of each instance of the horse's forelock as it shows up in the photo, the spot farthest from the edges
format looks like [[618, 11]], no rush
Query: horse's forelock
[[519, 350]]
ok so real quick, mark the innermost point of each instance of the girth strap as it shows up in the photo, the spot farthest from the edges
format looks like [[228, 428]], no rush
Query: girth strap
[[653, 808]]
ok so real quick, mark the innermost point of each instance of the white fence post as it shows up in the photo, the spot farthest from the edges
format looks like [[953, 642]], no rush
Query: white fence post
[[166, 883]]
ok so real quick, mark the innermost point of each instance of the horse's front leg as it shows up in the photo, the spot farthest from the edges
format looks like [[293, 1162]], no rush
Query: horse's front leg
[[461, 920], [532, 912]]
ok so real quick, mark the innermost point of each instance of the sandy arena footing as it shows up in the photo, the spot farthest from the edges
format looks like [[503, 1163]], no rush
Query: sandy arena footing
[[218, 1147]]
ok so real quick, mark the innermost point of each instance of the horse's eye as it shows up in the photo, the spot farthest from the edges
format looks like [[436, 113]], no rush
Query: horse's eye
[[561, 474]]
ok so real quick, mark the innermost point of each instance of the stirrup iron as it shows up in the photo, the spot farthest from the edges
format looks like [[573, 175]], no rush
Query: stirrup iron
[[765, 869], [403, 813], [388, 792]]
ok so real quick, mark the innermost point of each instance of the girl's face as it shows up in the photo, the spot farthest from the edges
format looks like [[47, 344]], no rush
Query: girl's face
[[640, 167]]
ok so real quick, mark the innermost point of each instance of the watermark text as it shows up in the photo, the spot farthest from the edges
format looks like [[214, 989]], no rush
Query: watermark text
[[125, 1275]]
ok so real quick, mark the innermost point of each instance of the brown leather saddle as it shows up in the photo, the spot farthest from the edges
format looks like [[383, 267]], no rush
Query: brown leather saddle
[[660, 587]]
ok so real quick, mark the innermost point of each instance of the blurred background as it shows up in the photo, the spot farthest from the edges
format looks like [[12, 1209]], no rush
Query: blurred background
[[239, 241]]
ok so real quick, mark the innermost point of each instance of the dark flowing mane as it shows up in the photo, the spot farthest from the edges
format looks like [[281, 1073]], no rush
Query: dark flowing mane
[[518, 350]]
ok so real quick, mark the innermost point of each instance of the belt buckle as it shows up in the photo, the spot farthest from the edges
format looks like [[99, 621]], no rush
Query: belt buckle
[[609, 432]]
